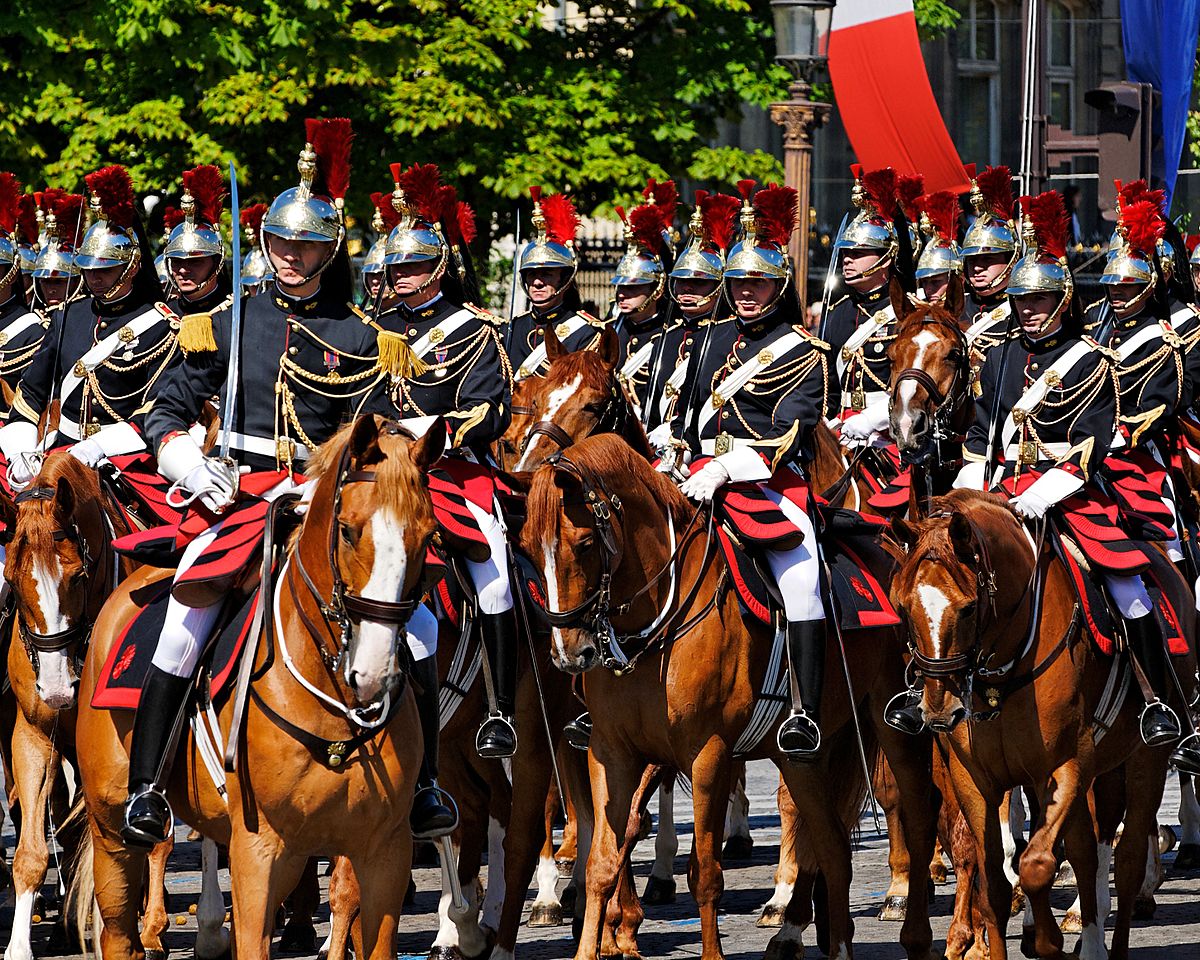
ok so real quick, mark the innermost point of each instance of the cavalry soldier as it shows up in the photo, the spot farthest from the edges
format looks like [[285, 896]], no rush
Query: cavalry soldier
[[256, 268], [378, 297], [102, 355], [989, 252], [547, 267], [940, 259], [194, 252], [56, 278], [755, 432], [451, 365], [302, 344], [862, 325], [640, 281], [21, 328], [694, 285]]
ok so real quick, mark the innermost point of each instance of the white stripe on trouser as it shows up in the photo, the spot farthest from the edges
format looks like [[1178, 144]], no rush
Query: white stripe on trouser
[[491, 576], [1130, 596], [797, 571]]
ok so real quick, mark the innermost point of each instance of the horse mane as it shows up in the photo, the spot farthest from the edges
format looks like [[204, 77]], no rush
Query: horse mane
[[923, 312], [600, 459]]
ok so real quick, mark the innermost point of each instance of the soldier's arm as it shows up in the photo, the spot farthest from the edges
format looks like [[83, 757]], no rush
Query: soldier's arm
[[484, 396], [184, 389]]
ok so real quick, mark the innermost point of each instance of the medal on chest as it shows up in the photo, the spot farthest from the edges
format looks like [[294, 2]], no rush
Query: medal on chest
[[332, 362]]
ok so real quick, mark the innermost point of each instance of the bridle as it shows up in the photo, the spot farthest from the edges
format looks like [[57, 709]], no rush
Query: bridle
[[946, 404], [597, 610], [613, 418]]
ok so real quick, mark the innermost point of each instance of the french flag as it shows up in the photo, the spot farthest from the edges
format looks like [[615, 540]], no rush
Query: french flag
[[883, 93]]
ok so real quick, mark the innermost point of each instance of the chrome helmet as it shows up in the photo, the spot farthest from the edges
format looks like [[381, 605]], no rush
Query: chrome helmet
[[1043, 268], [767, 226], [939, 222], [711, 230], [994, 228], [198, 235], [110, 241], [417, 237], [64, 225], [873, 228], [256, 268], [10, 203], [1140, 225], [648, 238], [555, 222]]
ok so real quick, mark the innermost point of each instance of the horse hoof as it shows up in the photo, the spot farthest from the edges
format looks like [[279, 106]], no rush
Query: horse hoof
[[1071, 923], [298, 939], [1166, 839], [771, 916], [659, 891], [566, 899], [1065, 876], [784, 949], [566, 868], [226, 954], [1143, 908], [939, 874], [1188, 857], [894, 909], [444, 953], [545, 915], [1029, 943], [738, 848]]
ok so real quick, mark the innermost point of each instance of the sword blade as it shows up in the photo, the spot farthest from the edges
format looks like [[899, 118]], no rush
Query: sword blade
[[235, 328]]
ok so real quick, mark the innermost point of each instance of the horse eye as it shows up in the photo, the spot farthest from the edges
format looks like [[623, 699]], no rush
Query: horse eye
[[348, 534], [954, 356]]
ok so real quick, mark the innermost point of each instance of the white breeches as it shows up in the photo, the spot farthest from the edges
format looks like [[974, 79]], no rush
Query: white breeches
[[797, 571], [1130, 596], [422, 633], [490, 577]]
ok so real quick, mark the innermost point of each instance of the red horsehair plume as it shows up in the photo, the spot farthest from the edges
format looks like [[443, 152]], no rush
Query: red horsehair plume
[[995, 184], [647, 221], [856, 171], [719, 211], [464, 219], [1143, 224], [207, 188], [879, 186], [446, 201], [942, 210], [745, 188], [969, 170], [252, 218], [909, 186], [10, 198], [775, 214], [1138, 190], [663, 194], [562, 220], [172, 217], [536, 194], [27, 222], [1191, 241], [420, 184], [115, 190], [387, 213], [47, 199], [68, 216], [1048, 214], [331, 139]]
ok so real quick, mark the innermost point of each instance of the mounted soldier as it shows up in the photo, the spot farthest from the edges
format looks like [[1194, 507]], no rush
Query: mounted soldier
[[989, 251], [940, 259], [755, 432], [378, 297], [195, 253], [256, 268], [447, 366], [299, 342], [547, 267], [56, 278], [103, 354]]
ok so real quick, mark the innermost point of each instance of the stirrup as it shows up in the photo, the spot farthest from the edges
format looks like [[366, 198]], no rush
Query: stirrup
[[799, 736], [148, 819], [442, 798], [903, 713], [496, 737], [1158, 739], [579, 732], [1185, 758]]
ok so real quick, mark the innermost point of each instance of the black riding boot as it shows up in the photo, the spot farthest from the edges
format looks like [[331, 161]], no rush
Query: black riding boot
[[799, 735], [1158, 721], [579, 731], [433, 814], [148, 819], [903, 713], [497, 737]]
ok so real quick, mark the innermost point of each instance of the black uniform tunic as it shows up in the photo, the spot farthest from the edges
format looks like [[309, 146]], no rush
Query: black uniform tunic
[[868, 370], [527, 331], [21, 333]]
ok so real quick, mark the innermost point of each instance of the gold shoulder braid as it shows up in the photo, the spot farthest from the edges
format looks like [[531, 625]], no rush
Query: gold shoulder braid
[[396, 357]]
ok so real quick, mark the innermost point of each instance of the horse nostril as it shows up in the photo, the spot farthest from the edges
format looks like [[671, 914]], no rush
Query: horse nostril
[[919, 422], [587, 656]]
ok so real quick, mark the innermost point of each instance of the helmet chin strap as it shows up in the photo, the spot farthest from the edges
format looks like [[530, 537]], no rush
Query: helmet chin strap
[[704, 302], [1135, 305], [1001, 281], [337, 243], [767, 310], [561, 288], [438, 273], [109, 295]]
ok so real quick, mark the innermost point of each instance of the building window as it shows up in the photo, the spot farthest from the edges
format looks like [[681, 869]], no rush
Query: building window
[[1061, 51], [978, 112], [977, 34], [1061, 100]]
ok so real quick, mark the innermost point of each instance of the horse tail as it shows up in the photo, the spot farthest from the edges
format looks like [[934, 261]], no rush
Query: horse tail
[[80, 900], [846, 786]]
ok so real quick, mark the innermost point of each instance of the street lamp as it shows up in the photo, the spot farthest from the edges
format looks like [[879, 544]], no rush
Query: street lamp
[[801, 32]]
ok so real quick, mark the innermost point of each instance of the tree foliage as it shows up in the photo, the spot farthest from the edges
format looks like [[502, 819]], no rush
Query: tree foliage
[[501, 93]]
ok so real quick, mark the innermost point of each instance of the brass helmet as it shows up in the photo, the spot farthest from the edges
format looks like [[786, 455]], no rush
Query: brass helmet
[[10, 202], [556, 222], [873, 227], [64, 227], [939, 222], [110, 241], [433, 224], [767, 226], [256, 268], [383, 222], [1043, 268], [1140, 224], [304, 212], [199, 235], [711, 230], [648, 238], [994, 229]]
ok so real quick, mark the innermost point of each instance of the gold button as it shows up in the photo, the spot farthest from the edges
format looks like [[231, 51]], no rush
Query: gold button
[[688, 341], [293, 351], [1033, 366], [404, 406], [103, 324]]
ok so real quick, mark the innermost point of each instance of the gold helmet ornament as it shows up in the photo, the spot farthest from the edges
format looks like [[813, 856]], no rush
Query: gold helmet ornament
[[1140, 225], [939, 219], [994, 229], [110, 241], [198, 234], [313, 211], [172, 217], [383, 222], [711, 230], [1043, 268], [873, 227], [555, 222], [768, 221], [648, 232], [256, 268], [10, 204]]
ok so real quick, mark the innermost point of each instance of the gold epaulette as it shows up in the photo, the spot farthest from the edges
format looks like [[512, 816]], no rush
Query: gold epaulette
[[485, 316], [396, 357], [1098, 347], [196, 334], [816, 341], [588, 317], [1095, 303], [844, 296]]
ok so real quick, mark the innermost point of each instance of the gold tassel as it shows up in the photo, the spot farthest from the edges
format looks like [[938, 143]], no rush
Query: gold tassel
[[396, 357], [196, 333]]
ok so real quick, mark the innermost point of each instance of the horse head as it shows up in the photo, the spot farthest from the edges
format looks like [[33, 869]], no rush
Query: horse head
[[367, 530], [962, 619], [599, 521], [61, 567], [524, 407], [930, 373], [578, 397]]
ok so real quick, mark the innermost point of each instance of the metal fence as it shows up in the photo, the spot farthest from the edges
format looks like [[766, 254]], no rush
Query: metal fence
[[598, 261]]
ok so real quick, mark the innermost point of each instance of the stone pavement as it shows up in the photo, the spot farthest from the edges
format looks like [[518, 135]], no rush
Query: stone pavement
[[674, 931]]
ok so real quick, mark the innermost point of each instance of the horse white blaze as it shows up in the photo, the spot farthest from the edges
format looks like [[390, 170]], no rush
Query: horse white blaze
[[551, 571], [558, 396], [908, 389], [54, 683], [936, 604], [375, 643]]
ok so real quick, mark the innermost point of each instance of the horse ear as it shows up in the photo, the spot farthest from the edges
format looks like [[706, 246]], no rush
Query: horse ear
[[955, 297], [429, 449], [554, 347], [962, 538], [363, 445], [64, 497], [901, 306], [905, 533], [609, 347], [519, 482]]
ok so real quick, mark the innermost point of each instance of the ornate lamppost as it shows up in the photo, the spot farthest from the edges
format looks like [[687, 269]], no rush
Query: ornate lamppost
[[801, 27]]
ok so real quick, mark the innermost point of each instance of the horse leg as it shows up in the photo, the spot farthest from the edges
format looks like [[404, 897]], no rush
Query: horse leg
[[966, 868], [493, 899], [299, 934], [1188, 855], [1012, 831], [265, 873], [1083, 852], [382, 883], [895, 901], [710, 796], [739, 845], [115, 887], [660, 885], [212, 939], [344, 897], [1145, 776], [154, 917], [35, 767], [786, 869], [546, 910], [982, 815]]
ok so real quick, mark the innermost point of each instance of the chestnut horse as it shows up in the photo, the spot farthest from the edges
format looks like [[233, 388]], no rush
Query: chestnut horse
[[353, 571], [1044, 682], [600, 526]]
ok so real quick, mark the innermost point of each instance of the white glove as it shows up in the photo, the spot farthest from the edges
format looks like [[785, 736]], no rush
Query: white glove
[[660, 437], [668, 465], [88, 452], [705, 482], [23, 469], [860, 429], [1052, 487], [212, 483], [111, 441], [1029, 505]]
